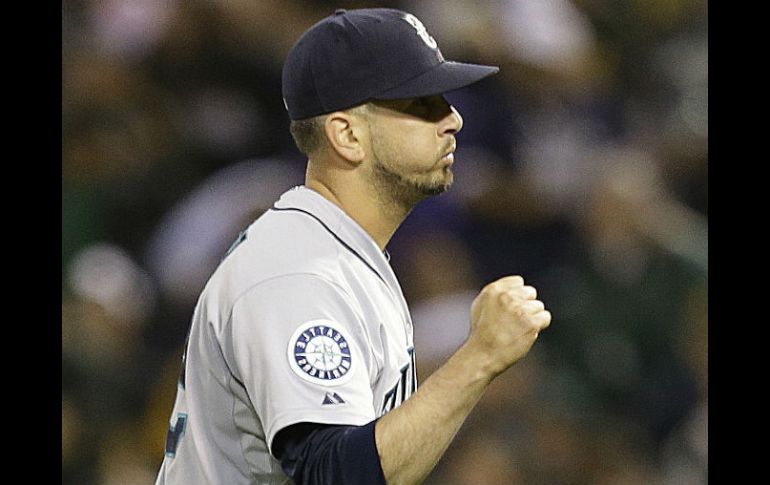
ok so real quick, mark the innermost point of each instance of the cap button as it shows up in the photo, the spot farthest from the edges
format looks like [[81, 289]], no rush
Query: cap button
[[339, 11]]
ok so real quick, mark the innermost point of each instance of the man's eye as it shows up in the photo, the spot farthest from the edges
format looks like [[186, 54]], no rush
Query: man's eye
[[419, 105], [429, 108]]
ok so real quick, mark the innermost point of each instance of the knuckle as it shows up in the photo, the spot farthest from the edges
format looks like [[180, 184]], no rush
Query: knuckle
[[546, 318], [493, 287], [508, 298], [487, 291], [517, 309], [512, 282]]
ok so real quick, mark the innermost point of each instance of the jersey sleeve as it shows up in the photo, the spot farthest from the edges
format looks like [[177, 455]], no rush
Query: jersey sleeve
[[301, 349], [317, 453]]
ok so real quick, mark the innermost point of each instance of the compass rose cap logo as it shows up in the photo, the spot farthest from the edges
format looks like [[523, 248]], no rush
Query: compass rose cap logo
[[320, 353]]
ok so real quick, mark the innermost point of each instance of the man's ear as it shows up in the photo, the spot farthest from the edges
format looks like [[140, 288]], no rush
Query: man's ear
[[347, 135]]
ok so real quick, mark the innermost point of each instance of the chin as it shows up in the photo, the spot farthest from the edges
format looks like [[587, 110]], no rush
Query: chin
[[435, 189]]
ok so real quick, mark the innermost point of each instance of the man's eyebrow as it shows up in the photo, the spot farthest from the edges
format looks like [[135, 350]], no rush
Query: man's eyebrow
[[395, 103]]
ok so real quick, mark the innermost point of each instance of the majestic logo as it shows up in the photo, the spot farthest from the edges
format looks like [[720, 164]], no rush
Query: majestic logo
[[333, 398], [319, 353], [421, 30]]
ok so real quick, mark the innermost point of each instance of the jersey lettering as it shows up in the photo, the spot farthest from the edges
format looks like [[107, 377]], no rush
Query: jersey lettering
[[404, 388], [241, 237], [174, 434]]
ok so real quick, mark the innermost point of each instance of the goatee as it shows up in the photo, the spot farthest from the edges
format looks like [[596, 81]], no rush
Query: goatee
[[404, 192]]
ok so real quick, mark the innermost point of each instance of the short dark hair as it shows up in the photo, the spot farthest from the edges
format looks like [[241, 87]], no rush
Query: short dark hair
[[308, 133]]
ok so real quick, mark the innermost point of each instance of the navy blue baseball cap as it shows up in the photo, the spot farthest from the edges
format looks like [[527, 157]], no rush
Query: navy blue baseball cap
[[354, 56]]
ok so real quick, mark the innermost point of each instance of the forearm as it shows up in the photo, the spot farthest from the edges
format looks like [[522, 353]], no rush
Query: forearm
[[408, 442], [412, 438]]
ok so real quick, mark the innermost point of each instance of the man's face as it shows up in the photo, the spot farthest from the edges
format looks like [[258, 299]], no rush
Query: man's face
[[412, 145]]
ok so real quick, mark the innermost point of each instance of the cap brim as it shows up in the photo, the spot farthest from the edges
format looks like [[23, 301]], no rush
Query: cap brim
[[446, 76]]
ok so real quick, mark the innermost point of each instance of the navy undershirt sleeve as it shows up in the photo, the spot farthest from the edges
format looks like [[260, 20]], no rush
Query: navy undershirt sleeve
[[321, 454]]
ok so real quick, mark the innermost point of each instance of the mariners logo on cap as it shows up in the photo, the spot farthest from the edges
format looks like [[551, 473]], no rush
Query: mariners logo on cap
[[421, 30], [319, 352]]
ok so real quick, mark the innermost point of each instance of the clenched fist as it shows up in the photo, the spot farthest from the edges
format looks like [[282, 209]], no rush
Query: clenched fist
[[506, 318]]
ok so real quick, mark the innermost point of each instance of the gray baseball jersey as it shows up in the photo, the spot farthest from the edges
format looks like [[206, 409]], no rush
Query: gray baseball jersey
[[303, 321]]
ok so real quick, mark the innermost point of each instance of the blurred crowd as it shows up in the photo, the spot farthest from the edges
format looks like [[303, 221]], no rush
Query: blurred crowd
[[582, 166]]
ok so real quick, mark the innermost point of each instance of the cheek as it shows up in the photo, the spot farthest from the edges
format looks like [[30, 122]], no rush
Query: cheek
[[406, 147], [420, 149]]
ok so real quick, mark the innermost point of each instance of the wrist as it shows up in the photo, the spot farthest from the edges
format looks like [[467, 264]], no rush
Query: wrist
[[476, 362]]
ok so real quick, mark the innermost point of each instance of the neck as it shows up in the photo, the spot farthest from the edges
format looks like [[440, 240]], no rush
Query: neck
[[379, 218]]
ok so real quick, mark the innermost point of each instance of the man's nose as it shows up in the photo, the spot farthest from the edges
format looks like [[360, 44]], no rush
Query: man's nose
[[452, 122]]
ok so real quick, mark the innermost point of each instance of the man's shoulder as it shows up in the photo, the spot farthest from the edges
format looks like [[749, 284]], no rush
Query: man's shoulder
[[288, 238], [275, 245]]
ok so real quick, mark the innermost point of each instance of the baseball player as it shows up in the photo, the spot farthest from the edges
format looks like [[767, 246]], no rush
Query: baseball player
[[299, 364]]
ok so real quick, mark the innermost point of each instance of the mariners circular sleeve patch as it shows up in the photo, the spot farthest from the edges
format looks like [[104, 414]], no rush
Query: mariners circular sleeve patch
[[320, 353]]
